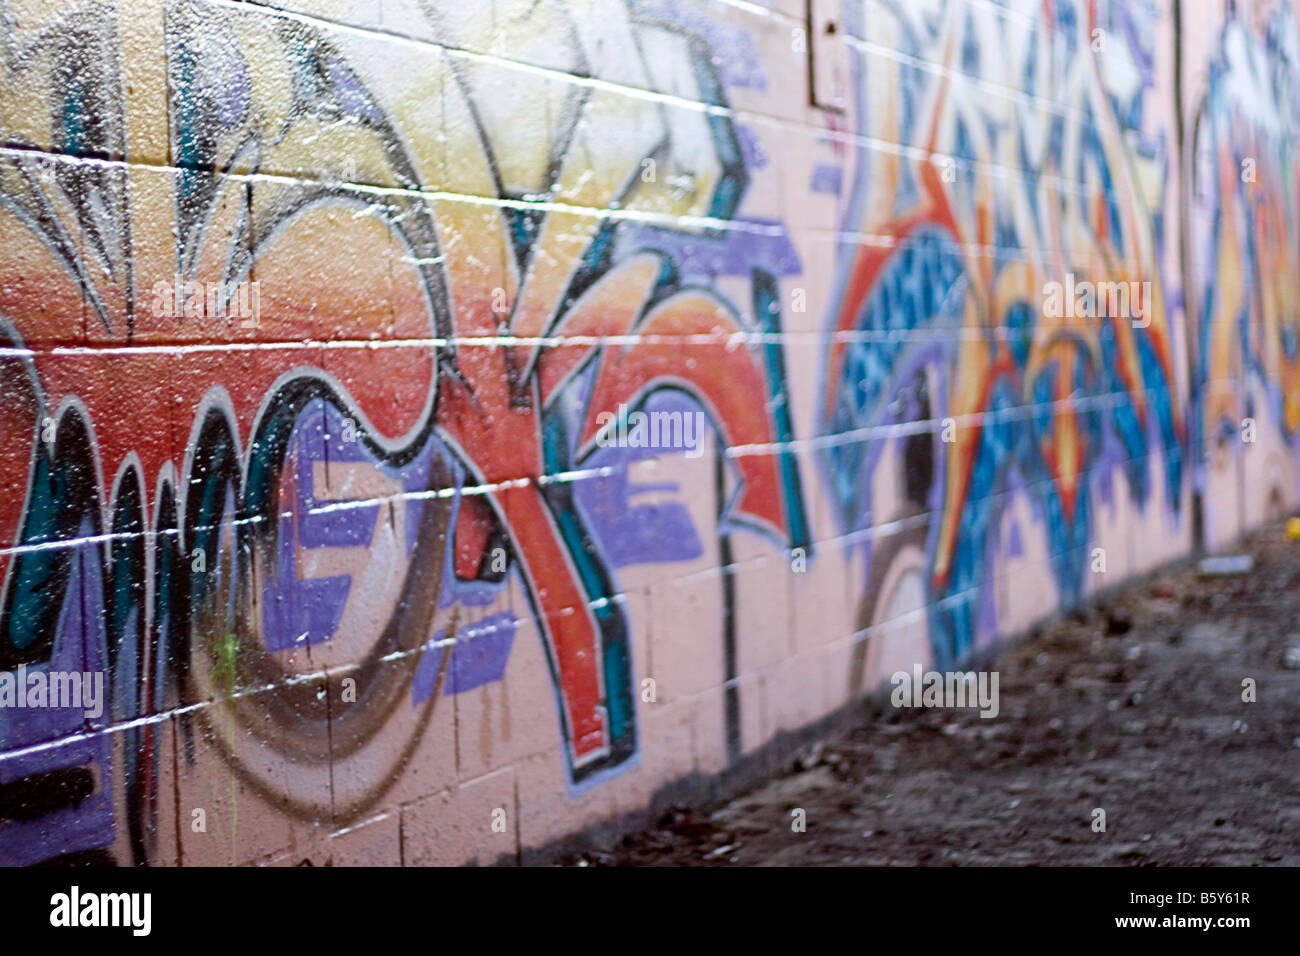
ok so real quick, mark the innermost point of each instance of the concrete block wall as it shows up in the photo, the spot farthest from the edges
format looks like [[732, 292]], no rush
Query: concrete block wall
[[314, 312]]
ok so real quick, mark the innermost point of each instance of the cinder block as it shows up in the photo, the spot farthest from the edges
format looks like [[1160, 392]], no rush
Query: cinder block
[[373, 842], [686, 631], [473, 822]]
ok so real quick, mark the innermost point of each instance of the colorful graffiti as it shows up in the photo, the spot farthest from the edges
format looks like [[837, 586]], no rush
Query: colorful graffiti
[[1019, 162], [216, 506], [315, 314], [1244, 233]]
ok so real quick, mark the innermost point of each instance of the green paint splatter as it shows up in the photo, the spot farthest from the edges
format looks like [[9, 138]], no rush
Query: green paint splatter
[[225, 654]]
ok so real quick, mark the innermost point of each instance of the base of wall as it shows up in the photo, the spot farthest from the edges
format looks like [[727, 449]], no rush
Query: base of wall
[[710, 791]]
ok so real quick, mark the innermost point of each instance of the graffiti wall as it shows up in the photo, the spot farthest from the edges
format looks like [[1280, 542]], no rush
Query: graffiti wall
[[432, 428], [1241, 113]]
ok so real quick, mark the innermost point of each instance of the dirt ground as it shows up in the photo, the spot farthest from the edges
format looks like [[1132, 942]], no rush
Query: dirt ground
[[1134, 706]]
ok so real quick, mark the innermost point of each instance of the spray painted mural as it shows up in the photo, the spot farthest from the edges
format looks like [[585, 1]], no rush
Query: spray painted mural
[[1245, 246], [215, 502], [1025, 156], [328, 326]]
